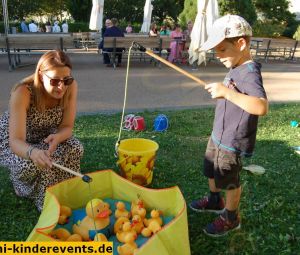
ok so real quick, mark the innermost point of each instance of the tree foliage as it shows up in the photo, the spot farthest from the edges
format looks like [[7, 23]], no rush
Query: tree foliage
[[79, 9], [277, 12], [244, 8], [189, 12], [132, 10], [274, 10], [167, 8], [18, 9], [129, 10]]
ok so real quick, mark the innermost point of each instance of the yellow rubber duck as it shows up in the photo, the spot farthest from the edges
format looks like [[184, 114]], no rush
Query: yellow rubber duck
[[137, 223], [153, 225], [118, 226], [127, 230], [97, 218], [62, 234], [130, 247], [100, 238], [138, 208], [121, 210], [64, 213]]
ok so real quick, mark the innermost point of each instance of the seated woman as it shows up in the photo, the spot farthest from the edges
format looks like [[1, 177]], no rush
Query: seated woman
[[176, 45], [153, 30], [37, 129]]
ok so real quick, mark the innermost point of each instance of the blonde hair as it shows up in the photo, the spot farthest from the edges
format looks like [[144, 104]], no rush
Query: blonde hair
[[50, 60]]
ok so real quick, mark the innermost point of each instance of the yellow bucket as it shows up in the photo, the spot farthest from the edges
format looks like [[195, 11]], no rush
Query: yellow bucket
[[136, 159]]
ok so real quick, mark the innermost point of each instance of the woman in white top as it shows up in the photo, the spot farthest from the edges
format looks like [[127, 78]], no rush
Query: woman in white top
[[153, 30]]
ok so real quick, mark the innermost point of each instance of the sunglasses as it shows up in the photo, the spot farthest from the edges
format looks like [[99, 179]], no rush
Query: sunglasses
[[55, 81]]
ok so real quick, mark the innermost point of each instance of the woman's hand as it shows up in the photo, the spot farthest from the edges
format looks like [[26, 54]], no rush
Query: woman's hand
[[53, 141], [41, 158], [217, 90]]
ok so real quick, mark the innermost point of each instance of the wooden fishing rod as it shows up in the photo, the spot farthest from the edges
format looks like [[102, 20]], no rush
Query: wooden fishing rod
[[85, 178], [178, 69]]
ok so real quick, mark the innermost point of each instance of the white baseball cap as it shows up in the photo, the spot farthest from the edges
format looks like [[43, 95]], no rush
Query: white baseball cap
[[228, 26]]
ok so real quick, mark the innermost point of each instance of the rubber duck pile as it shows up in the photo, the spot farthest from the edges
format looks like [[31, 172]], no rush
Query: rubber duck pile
[[127, 224]]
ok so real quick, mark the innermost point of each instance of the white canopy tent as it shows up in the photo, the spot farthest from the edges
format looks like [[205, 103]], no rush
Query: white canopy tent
[[96, 19], [208, 12], [147, 17]]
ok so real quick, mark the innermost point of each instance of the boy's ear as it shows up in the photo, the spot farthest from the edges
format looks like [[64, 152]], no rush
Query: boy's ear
[[242, 44]]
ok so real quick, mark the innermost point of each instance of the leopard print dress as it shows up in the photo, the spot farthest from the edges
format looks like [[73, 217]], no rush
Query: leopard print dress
[[27, 179]]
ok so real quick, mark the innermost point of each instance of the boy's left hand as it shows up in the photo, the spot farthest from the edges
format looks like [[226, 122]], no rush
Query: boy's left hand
[[217, 90]]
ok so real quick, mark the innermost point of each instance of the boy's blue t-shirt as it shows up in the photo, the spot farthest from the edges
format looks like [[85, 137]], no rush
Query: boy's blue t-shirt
[[235, 129]]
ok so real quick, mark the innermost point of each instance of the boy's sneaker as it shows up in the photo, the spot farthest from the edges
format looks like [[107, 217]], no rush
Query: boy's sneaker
[[205, 205], [221, 226]]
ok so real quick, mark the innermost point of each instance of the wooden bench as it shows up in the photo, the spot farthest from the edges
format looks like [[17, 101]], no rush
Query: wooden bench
[[158, 45], [86, 40], [33, 44], [260, 47], [281, 49], [126, 42]]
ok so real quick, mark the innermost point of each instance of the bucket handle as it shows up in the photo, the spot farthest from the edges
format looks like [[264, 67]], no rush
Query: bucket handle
[[116, 154]]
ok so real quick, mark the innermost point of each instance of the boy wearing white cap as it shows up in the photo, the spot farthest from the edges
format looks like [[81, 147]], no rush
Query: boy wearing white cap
[[241, 98]]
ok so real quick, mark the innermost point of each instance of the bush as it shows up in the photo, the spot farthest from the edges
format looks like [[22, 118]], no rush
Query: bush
[[78, 27], [11, 24], [268, 28], [296, 36]]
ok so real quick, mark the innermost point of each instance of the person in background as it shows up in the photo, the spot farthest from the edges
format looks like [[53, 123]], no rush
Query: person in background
[[48, 27], [153, 30], [129, 28], [241, 99], [164, 30], [41, 28], [188, 30], [65, 27], [112, 31], [24, 27], [176, 45], [107, 25], [56, 27], [33, 28], [37, 129]]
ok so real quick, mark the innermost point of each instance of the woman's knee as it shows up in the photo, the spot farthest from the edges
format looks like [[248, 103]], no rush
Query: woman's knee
[[76, 146]]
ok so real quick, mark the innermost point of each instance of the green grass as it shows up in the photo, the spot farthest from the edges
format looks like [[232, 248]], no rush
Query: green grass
[[270, 207]]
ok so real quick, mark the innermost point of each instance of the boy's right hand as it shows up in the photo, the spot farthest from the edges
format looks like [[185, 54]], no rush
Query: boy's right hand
[[217, 90]]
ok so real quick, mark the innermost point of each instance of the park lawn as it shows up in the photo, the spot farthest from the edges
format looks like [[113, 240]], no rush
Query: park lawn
[[270, 207]]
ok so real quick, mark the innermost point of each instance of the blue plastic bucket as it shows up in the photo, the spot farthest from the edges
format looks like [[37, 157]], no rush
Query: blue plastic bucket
[[161, 123]]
